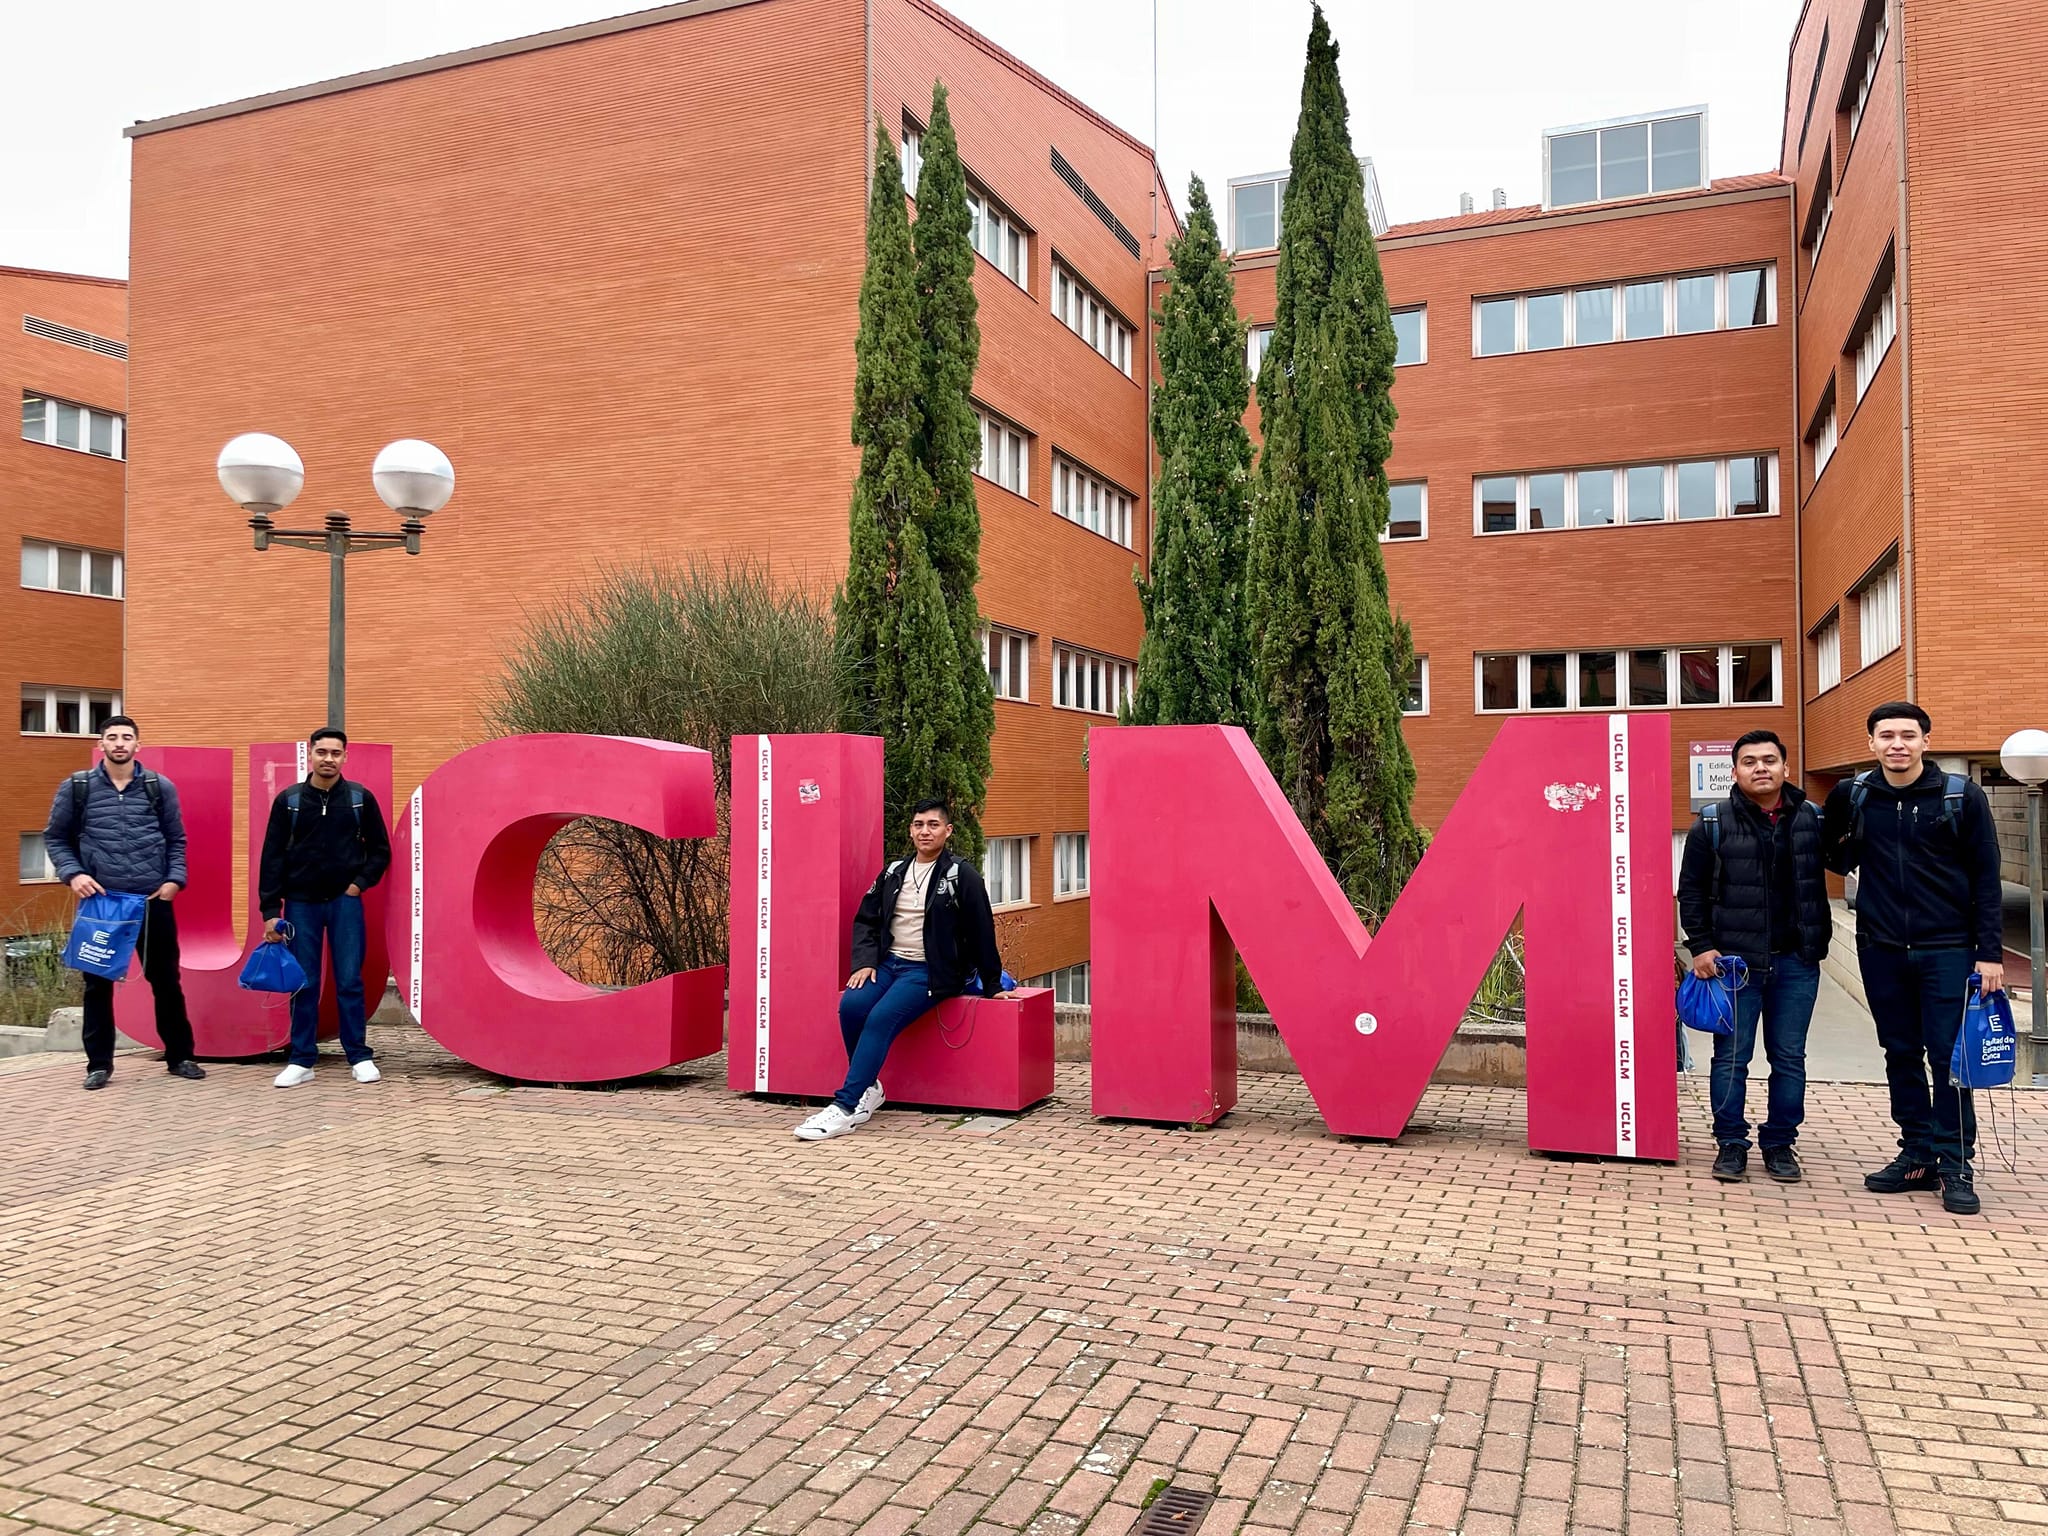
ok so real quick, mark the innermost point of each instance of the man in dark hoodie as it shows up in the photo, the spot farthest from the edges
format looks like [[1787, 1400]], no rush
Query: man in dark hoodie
[[326, 844], [922, 930], [1927, 918], [1753, 884]]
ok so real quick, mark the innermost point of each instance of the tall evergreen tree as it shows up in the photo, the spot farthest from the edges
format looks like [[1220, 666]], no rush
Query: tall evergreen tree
[[1330, 659], [949, 446], [1195, 663]]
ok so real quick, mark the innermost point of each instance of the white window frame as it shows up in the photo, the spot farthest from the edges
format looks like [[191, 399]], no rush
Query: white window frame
[[1005, 434], [84, 698], [1825, 438], [1646, 121], [998, 237], [1422, 666], [1423, 311], [49, 874], [1089, 501], [1083, 674], [1724, 495], [33, 549], [1082, 310], [1823, 215], [88, 413], [913, 156], [1387, 535], [1827, 653], [1257, 339], [1065, 847], [1617, 291], [997, 878], [1868, 79], [1878, 614], [995, 640], [1069, 984], [1876, 338], [1237, 184], [1623, 667]]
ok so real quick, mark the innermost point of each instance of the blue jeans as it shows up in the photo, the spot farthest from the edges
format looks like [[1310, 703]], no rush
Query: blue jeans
[[870, 1019], [1784, 1004], [340, 923]]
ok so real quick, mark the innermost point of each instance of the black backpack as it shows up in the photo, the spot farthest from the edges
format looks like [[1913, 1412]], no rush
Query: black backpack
[[291, 804], [1952, 786]]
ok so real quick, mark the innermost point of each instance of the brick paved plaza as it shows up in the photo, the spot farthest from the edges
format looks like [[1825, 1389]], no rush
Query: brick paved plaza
[[438, 1303]]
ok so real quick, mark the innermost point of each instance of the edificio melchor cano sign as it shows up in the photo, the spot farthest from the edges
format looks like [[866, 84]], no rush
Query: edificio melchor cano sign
[[1195, 856]]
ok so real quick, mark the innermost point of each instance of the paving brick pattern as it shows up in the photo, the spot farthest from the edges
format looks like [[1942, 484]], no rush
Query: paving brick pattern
[[439, 1303]]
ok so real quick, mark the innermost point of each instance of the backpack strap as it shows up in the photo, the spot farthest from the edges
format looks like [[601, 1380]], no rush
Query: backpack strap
[[1710, 817], [81, 790], [1952, 787]]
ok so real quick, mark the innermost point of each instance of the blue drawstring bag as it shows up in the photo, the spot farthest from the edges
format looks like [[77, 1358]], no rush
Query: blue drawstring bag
[[1708, 1005], [1009, 983], [105, 933], [1987, 1046], [272, 968]]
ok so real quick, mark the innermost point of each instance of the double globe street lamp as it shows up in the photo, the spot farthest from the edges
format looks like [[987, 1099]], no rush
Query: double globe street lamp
[[263, 474]]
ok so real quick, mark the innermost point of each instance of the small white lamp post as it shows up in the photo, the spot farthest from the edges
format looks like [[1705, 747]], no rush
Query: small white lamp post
[[263, 474]]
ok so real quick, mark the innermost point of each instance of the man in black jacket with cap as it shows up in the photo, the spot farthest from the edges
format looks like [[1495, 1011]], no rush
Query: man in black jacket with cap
[[325, 845], [1753, 884], [1929, 915]]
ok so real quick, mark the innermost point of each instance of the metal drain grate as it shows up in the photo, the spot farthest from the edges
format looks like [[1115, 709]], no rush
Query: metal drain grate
[[1176, 1512]]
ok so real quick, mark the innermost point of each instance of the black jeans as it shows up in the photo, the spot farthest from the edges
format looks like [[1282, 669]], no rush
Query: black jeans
[[158, 947], [1916, 997]]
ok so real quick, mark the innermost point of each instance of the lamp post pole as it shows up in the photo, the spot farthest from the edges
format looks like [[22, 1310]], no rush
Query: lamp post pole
[[262, 474], [2025, 758]]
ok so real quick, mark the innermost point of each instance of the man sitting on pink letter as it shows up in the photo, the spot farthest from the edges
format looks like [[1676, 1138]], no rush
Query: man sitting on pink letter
[[923, 929]]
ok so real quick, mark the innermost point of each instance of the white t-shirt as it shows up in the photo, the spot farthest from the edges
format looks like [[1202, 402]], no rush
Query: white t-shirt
[[906, 926]]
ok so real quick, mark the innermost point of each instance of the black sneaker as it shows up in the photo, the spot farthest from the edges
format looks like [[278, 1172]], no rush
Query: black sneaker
[[1958, 1193], [1902, 1175], [1733, 1163], [190, 1069], [1782, 1164], [97, 1078]]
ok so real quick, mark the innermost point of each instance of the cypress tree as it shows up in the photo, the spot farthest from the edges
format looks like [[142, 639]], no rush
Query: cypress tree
[[1330, 660], [892, 492], [949, 446], [1194, 665], [923, 752]]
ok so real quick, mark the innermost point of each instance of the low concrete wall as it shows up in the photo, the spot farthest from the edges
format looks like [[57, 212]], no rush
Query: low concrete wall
[[1486, 1054]]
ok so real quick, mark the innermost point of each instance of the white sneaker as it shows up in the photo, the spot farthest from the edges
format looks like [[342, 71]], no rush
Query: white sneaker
[[291, 1077], [365, 1072], [870, 1101], [826, 1123]]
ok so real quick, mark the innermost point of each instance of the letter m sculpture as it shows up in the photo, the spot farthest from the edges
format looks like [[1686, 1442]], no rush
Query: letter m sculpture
[[1197, 855]]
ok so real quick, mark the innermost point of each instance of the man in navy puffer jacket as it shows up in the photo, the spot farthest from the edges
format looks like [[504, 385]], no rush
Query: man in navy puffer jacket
[[118, 828]]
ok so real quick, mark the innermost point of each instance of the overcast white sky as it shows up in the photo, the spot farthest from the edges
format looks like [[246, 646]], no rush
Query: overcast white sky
[[1446, 95]]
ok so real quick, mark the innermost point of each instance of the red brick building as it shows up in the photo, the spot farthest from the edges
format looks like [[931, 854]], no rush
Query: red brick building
[[1922, 382], [63, 355], [612, 271]]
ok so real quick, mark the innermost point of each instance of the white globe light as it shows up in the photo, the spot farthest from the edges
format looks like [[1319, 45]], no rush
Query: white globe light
[[413, 477], [2025, 756], [259, 472]]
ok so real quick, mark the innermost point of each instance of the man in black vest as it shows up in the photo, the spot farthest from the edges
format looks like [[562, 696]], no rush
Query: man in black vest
[[1928, 916], [1753, 884], [325, 844]]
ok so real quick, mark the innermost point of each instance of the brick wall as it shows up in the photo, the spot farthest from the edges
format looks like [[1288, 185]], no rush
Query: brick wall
[[1712, 395], [55, 495]]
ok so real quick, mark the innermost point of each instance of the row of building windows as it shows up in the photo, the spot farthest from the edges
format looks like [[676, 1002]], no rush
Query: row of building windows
[[65, 568], [1081, 310], [1087, 681], [1069, 985], [1867, 348], [1862, 76], [82, 428], [1411, 339], [1685, 491], [49, 711], [1878, 621], [1094, 503], [1634, 159], [1734, 300], [1005, 243], [1674, 677], [1006, 870]]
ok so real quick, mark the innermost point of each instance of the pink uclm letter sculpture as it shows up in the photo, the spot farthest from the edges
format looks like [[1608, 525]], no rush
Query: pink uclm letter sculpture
[[226, 1021], [472, 967], [1566, 820]]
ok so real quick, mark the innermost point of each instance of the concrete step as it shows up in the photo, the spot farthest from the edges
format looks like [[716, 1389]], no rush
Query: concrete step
[[1841, 961]]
